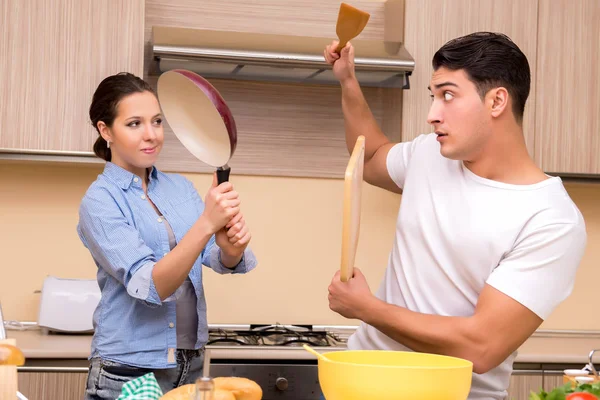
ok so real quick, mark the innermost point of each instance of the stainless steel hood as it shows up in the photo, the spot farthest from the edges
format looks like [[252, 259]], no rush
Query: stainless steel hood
[[276, 58]]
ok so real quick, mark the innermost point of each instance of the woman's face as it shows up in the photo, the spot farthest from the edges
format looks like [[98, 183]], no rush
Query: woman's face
[[136, 136]]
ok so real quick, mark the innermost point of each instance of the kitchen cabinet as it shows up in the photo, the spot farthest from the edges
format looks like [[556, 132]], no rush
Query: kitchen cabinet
[[52, 385], [522, 383], [53, 54], [552, 380], [567, 129], [560, 39], [431, 23]]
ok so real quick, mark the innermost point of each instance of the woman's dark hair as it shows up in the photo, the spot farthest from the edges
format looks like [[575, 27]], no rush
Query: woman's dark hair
[[106, 100], [490, 60]]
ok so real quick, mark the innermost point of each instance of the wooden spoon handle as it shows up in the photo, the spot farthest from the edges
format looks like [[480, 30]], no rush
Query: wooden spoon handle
[[340, 46]]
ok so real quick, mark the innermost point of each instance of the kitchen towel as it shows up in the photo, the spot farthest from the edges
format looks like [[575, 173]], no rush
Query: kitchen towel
[[143, 388]]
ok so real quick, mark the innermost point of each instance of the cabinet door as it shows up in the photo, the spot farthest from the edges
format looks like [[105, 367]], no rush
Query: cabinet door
[[552, 380], [52, 385], [568, 87], [53, 54], [431, 23], [522, 383]]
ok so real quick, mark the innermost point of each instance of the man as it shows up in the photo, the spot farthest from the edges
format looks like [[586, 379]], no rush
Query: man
[[487, 245]]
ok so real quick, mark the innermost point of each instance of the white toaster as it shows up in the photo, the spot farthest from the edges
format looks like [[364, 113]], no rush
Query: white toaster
[[67, 305]]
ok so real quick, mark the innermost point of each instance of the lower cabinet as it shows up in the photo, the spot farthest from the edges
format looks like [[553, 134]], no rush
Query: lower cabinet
[[52, 385], [71, 385], [522, 383], [553, 379]]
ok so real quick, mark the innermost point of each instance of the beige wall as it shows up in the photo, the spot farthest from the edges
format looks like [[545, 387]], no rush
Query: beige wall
[[296, 226]]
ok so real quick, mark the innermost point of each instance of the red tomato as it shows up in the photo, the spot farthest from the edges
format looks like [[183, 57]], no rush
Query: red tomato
[[581, 396]]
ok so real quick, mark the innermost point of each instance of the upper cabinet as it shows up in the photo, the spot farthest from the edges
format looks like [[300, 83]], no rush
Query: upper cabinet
[[561, 41], [53, 54], [567, 131], [284, 129], [431, 23]]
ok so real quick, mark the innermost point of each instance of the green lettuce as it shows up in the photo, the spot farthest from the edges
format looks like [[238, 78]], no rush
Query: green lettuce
[[561, 392]]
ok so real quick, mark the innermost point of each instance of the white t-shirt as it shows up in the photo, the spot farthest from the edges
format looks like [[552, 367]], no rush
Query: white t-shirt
[[457, 231]]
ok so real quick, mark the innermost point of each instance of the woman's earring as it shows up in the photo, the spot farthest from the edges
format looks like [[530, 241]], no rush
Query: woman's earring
[[107, 144]]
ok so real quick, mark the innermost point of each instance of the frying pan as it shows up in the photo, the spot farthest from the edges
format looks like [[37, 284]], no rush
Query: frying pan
[[352, 203], [199, 117]]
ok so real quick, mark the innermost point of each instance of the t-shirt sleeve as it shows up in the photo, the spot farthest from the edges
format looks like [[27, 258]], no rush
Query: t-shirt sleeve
[[398, 159], [540, 271]]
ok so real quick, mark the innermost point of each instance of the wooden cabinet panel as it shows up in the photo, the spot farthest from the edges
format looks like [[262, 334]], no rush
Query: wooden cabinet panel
[[552, 381], [53, 54], [568, 87], [521, 385], [299, 18], [431, 23], [283, 129], [52, 385]]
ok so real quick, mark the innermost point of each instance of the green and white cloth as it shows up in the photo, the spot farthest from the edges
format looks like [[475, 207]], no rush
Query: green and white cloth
[[143, 388]]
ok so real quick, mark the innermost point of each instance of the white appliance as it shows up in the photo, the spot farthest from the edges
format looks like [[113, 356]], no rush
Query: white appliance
[[67, 305]]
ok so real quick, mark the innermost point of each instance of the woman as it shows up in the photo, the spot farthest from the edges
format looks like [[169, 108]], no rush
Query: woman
[[149, 234]]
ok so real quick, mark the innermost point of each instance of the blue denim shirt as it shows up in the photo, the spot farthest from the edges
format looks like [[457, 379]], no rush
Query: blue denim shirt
[[126, 237]]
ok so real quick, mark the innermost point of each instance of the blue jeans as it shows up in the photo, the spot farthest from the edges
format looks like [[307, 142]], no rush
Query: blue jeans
[[106, 378]]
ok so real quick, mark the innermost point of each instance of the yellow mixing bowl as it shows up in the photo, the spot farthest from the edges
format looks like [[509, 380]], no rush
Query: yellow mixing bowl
[[393, 375]]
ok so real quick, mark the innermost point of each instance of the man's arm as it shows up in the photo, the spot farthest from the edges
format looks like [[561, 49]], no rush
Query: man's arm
[[539, 272], [359, 120], [497, 328]]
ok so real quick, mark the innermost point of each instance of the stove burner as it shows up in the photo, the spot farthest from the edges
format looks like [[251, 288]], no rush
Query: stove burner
[[272, 335]]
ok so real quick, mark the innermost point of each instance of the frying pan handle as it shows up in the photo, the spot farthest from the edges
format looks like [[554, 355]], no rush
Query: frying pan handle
[[223, 174]]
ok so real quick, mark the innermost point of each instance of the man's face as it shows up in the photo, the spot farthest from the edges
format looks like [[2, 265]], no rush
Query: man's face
[[459, 117]]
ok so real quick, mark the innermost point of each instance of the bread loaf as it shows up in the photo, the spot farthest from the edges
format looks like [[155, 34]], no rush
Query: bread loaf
[[11, 355], [242, 388], [226, 388], [188, 392]]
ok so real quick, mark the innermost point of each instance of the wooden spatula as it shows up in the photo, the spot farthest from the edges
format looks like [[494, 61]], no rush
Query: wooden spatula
[[351, 22]]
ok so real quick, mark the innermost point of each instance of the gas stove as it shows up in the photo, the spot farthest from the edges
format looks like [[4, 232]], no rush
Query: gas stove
[[273, 356], [276, 335]]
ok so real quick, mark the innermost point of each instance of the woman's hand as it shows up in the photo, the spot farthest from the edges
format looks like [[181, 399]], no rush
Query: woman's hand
[[221, 204], [234, 238]]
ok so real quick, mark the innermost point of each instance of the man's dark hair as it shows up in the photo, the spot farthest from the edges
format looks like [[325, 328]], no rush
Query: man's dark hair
[[490, 60]]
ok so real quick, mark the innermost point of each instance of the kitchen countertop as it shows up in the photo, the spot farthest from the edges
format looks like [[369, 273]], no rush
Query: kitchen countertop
[[562, 347]]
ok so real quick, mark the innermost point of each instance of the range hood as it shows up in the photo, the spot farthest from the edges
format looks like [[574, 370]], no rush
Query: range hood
[[276, 58]]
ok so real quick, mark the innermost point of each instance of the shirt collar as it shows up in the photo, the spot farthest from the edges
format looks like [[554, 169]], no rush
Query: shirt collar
[[124, 178]]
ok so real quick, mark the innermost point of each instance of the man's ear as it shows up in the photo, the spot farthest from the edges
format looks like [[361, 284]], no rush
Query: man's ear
[[497, 98]]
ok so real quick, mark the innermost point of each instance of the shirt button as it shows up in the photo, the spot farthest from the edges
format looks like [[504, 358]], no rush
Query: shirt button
[[165, 254], [143, 197], [135, 179], [171, 325], [159, 219]]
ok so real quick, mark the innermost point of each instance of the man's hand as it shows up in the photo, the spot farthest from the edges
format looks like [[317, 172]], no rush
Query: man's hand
[[350, 299], [343, 63], [233, 240]]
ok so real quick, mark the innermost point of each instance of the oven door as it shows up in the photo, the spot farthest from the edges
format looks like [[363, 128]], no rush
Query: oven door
[[279, 379]]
